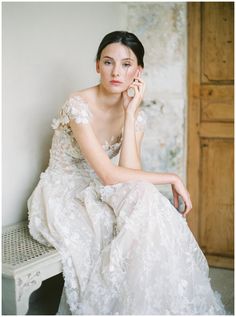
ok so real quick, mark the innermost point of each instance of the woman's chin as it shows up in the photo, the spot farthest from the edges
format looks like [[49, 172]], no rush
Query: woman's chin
[[115, 89]]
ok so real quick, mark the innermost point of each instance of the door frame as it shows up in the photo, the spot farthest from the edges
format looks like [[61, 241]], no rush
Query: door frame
[[193, 112]]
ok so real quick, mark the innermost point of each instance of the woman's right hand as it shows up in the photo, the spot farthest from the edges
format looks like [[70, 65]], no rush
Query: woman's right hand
[[131, 104], [179, 189]]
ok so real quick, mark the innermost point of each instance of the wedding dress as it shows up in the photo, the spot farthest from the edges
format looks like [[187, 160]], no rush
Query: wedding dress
[[125, 249]]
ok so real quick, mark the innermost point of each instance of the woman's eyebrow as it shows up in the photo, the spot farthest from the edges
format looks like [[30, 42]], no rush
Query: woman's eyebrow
[[124, 59]]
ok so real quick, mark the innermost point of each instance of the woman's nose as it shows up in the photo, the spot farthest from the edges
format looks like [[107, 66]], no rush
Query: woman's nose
[[116, 71]]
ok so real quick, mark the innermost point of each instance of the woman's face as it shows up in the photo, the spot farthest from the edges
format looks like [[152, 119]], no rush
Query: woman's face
[[117, 67]]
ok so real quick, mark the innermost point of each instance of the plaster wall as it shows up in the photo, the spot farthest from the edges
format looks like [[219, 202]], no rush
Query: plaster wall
[[162, 28], [49, 51]]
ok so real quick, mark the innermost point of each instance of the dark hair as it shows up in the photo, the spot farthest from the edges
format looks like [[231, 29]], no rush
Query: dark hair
[[126, 38]]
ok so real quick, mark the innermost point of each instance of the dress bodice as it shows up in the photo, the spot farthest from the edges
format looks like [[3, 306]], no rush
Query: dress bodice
[[65, 153]]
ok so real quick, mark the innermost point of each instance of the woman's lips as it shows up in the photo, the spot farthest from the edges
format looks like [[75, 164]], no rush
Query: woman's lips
[[115, 82]]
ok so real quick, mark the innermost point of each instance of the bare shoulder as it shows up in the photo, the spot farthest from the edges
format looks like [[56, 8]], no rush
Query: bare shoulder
[[87, 94]]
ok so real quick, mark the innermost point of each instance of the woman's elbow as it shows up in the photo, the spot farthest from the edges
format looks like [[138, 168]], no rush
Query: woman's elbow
[[108, 178]]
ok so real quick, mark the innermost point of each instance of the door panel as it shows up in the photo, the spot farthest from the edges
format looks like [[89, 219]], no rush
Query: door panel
[[217, 41], [216, 183], [217, 103], [210, 168]]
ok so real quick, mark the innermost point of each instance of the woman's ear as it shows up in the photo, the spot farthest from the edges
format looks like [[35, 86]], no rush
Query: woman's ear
[[97, 67], [140, 70]]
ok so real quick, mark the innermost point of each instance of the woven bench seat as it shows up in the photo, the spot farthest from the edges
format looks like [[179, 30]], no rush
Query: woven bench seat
[[25, 265]]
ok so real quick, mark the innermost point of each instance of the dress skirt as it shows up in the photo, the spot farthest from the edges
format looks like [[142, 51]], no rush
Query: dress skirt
[[125, 250]]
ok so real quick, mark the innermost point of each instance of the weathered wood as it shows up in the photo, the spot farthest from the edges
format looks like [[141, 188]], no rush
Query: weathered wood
[[193, 156], [219, 261], [216, 130], [217, 103], [211, 129], [217, 54], [217, 196]]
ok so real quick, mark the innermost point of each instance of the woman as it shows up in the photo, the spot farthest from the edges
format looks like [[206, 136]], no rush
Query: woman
[[125, 249]]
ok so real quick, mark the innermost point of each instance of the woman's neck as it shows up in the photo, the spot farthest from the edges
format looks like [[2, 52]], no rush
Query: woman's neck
[[108, 100]]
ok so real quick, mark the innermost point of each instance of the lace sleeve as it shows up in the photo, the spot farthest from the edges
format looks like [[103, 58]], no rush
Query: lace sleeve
[[75, 108], [141, 121]]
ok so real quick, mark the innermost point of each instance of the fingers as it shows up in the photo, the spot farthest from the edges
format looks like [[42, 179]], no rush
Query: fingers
[[176, 198], [180, 189], [137, 89], [139, 84], [137, 73], [188, 206], [134, 94], [138, 79]]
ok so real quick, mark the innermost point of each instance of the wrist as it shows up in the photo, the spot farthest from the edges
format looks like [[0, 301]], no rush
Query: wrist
[[129, 115], [174, 179]]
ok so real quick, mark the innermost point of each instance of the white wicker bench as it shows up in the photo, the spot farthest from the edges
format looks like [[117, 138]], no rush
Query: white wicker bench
[[25, 265]]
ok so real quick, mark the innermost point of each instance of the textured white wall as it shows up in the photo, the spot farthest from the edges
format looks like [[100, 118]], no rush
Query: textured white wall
[[162, 28], [49, 51]]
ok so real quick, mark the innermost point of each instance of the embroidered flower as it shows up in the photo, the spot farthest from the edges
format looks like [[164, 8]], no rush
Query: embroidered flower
[[55, 123]]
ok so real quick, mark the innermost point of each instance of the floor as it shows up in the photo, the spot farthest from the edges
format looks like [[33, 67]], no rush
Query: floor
[[223, 281], [45, 301]]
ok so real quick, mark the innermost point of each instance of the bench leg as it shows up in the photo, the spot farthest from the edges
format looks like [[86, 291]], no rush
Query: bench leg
[[16, 292], [25, 286], [8, 296]]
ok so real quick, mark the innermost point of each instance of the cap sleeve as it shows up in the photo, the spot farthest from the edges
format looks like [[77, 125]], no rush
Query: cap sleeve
[[141, 121], [75, 108]]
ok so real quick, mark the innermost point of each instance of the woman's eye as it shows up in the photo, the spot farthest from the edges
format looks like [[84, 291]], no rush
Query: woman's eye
[[126, 65], [107, 62]]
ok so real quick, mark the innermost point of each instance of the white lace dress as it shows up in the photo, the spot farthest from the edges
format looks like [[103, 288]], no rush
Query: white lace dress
[[125, 249]]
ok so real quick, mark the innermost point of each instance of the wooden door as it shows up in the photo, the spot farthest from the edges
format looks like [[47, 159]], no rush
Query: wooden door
[[210, 164]]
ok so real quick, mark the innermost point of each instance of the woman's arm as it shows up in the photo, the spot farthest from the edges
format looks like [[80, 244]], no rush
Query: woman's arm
[[131, 143], [110, 174]]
